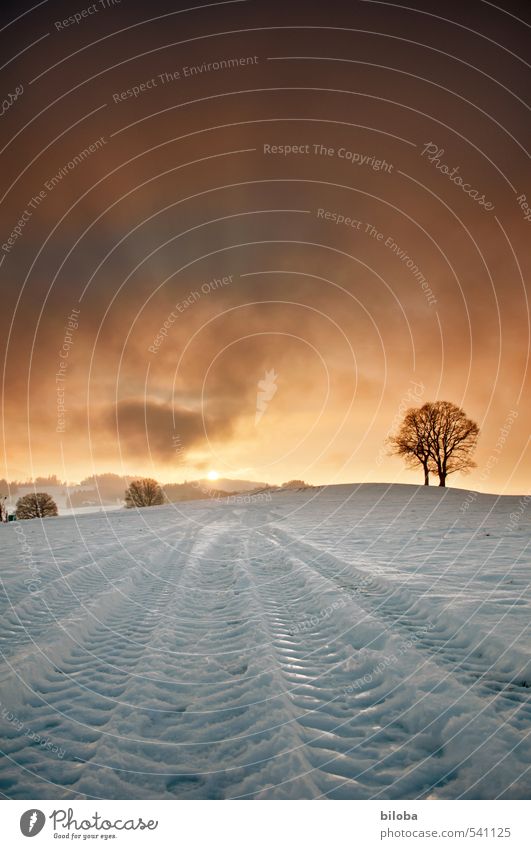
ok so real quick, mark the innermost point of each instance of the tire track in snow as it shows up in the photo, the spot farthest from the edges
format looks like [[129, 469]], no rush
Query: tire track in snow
[[472, 661], [353, 744], [28, 615], [76, 693], [205, 734], [408, 742], [200, 681]]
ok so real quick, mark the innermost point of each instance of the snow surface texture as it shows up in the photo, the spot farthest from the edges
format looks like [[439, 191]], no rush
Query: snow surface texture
[[351, 642]]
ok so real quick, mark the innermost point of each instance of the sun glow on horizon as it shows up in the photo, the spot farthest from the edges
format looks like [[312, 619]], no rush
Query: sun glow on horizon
[[213, 475]]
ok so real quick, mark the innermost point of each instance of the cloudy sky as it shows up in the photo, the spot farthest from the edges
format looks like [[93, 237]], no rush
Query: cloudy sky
[[326, 199]]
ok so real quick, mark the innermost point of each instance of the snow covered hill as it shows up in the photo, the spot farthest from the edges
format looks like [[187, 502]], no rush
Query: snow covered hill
[[351, 642]]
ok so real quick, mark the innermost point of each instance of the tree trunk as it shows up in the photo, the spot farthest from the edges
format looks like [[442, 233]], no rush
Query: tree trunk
[[442, 479], [426, 476]]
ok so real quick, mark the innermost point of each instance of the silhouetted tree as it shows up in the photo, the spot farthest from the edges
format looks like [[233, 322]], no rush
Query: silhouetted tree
[[412, 440], [439, 437], [453, 439], [144, 492], [36, 505]]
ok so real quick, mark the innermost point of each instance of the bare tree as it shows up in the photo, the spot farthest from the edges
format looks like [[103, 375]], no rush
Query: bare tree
[[439, 437], [36, 505], [453, 439], [413, 440], [144, 492]]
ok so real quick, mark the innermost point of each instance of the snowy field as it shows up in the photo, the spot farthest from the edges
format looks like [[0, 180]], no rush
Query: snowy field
[[352, 642]]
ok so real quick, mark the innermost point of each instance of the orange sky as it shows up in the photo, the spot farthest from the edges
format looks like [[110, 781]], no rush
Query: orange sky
[[211, 203]]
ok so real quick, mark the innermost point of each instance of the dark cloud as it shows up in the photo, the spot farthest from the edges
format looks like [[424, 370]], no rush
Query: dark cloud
[[145, 430]]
